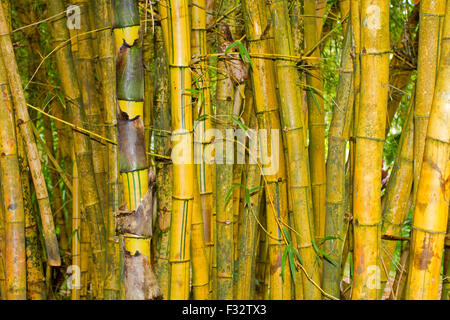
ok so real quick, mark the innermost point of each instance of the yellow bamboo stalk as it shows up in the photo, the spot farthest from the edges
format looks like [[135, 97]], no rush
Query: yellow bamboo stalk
[[297, 157], [22, 117], [267, 110], [431, 208], [316, 115], [200, 266], [204, 169], [14, 220], [396, 200], [183, 147], [108, 91], [430, 31], [370, 135], [76, 232]]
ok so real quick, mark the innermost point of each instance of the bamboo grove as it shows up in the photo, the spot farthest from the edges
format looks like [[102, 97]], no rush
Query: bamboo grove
[[224, 149]]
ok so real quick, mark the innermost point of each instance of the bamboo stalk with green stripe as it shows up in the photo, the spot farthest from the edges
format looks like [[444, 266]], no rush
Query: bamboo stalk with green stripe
[[135, 219], [183, 146], [204, 110]]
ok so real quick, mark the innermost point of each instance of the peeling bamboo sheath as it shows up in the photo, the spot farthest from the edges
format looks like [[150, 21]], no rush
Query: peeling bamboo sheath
[[136, 226], [432, 200], [22, 118], [370, 135]]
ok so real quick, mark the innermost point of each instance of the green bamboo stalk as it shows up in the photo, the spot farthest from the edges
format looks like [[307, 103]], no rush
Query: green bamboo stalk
[[164, 168], [337, 194]]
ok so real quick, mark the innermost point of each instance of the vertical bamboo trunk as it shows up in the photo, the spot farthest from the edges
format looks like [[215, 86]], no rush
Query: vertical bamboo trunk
[[36, 287], [200, 266], [202, 141], [446, 280], [249, 227], [316, 116], [86, 69], [82, 144], [108, 91], [161, 146], [224, 182], [395, 202], [274, 170], [14, 219], [183, 147], [136, 216], [297, 154], [76, 230], [22, 117], [337, 193], [430, 31], [431, 210], [400, 67], [370, 135]]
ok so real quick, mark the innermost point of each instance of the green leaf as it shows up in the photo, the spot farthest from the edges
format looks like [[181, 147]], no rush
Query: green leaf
[[288, 237], [326, 256], [231, 191], [291, 263], [239, 123], [283, 262]]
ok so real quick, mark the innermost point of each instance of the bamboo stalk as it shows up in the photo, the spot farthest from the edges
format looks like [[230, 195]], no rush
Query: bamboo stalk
[[164, 169], [36, 286], [224, 183], [86, 69], [76, 230], [200, 266], [337, 193], [83, 149], [297, 157], [182, 154], [430, 31], [395, 202], [400, 71], [431, 209], [14, 219], [202, 141], [22, 118], [370, 135], [316, 114], [249, 227], [267, 111], [108, 92], [135, 220]]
